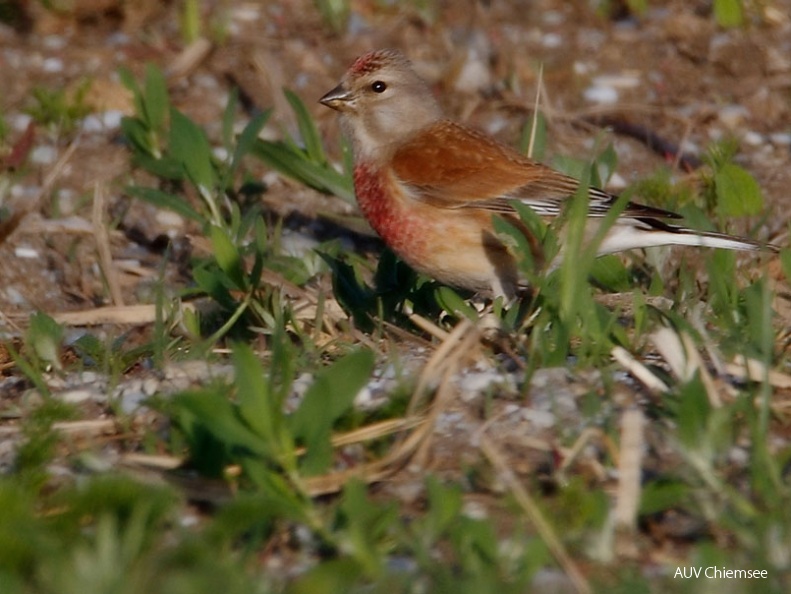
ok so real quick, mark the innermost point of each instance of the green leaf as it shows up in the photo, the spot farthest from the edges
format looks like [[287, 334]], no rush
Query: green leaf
[[307, 129], [214, 283], [213, 411], [165, 167], [155, 98], [191, 19], [610, 273], [258, 405], [228, 116], [129, 81], [44, 335], [294, 164], [728, 13], [328, 397], [606, 163], [738, 194], [227, 255], [188, 144], [136, 133], [444, 506], [577, 256], [367, 522], [693, 413], [450, 301], [329, 577], [576, 168], [162, 199], [638, 7], [247, 138], [255, 401]]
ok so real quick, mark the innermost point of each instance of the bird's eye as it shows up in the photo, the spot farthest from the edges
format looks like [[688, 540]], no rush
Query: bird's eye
[[378, 86]]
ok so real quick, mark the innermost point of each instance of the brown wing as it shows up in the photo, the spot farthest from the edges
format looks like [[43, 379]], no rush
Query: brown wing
[[451, 166]]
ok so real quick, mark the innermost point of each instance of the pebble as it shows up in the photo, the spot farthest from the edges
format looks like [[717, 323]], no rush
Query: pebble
[[542, 419], [781, 138], [511, 409], [102, 122], [150, 386], [553, 18], [476, 381], [26, 253], [410, 491], [77, 396], [14, 297], [473, 76], [753, 138], [475, 510], [132, 400], [52, 65], [732, 116], [602, 95], [625, 80], [67, 201], [552, 40], [738, 456], [53, 42], [298, 244], [44, 155], [688, 146], [169, 219], [220, 153], [119, 38], [617, 182], [581, 68], [448, 422], [247, 13], [19, 121]]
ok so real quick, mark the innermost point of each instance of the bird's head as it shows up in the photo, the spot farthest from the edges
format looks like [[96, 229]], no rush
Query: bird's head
[[382, 102]]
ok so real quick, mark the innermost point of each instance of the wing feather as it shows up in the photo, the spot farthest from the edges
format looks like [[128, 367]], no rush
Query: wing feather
[[451, 166]]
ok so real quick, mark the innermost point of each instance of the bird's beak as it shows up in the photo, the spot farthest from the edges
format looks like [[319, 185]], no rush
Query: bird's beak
[[337, 98]]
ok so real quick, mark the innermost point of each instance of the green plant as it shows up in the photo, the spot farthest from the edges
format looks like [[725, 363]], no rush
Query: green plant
[[170, 145], [308, 162], [59, 108], [730, 191], [253, 431], [334, 12], [729, 13]]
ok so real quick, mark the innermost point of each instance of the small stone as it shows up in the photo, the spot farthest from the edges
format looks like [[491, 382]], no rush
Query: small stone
[[169, 219], [552, 40], [150, 386], [602, 95], [624, 80], [753, 138], [26, 252], [52, 65], [474, 510], [542, 419], [44, 155], [76, 396], [732, 116]]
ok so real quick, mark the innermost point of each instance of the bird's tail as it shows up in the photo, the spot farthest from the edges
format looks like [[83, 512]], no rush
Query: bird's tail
[[651, 232]]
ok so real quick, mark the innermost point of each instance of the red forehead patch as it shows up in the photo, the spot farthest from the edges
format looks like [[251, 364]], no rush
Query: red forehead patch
[[373, 61]]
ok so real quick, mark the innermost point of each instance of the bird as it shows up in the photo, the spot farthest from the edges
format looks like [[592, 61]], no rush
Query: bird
[[430, 187]]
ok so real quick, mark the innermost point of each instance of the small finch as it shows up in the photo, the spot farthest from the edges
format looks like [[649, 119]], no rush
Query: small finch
[[430, 186]]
